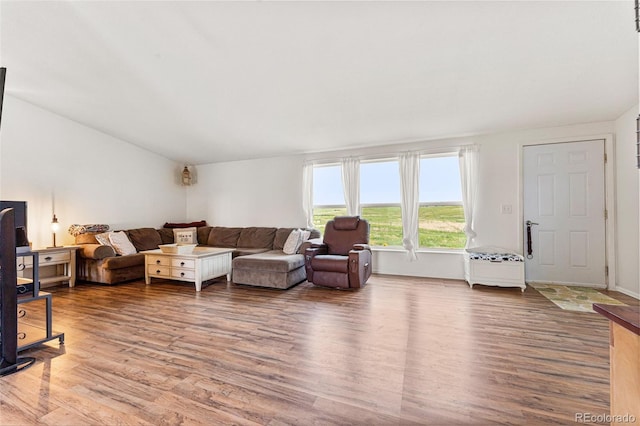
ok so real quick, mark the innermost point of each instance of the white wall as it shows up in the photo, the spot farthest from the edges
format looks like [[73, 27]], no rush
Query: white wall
[[268, 193], [93, 177], [627, 213], [265, 192]]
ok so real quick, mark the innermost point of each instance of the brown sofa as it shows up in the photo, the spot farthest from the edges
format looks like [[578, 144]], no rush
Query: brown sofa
[[264, 263]]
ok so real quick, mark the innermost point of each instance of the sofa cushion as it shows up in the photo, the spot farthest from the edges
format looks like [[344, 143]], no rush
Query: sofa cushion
[[221, 236], [257, 237], [273, 260], [166, 235], [144, 238], [123, 261], [203, 234], [87, 238], [245, 251], [283, 233], [330, 263], [281, 237]]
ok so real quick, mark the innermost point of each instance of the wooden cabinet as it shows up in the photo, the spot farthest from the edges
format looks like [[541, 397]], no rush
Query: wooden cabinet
[[203, 264], [624, 350]]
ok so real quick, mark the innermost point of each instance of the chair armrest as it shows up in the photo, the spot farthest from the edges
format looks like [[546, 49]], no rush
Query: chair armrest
[[309, 254], [359, 267], [316, 242], [95, 251], [361, 247]]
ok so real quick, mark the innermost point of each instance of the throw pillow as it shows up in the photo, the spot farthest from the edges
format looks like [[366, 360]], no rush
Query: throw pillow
[[185, 235], [121, 243], [305, 235], [103, 239], [293, 242]]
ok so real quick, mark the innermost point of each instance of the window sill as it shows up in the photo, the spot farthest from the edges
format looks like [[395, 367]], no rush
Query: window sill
[[422, 250]]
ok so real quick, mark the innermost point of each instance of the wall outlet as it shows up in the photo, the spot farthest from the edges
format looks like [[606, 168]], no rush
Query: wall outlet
[[506, 209]]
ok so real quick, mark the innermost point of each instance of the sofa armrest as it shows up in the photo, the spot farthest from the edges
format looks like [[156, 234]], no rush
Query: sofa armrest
[[359, 247], [95, 251]]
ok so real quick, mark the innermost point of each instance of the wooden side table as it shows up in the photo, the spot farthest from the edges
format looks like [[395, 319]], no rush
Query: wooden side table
[[56, 264]]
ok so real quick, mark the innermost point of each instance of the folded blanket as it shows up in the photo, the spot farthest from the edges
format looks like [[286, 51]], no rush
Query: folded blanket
[[76, 230]]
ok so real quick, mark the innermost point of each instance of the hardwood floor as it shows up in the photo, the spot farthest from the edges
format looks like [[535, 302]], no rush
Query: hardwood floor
[[399, 351]]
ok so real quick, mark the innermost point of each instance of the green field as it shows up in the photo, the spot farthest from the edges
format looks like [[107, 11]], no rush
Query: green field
[[440, 226]]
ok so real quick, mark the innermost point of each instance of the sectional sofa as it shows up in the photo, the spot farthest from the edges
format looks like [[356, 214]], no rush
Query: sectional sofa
[[258, 256]]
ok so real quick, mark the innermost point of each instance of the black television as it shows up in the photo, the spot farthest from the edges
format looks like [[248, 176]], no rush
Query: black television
[[20, 220]]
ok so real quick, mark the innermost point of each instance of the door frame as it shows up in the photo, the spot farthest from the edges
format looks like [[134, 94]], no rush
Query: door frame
[[609, 197]]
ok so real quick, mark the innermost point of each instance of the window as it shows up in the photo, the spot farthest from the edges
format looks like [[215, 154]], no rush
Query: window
[[441, 214], [328, 200], [380, 202]]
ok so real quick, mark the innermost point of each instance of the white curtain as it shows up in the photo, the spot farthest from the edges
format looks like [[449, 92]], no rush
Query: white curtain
[[351, 185], [468, 157], [409, 185], [307, 193]]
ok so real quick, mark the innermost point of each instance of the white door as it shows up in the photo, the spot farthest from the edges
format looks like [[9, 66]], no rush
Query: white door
[[564, 198]]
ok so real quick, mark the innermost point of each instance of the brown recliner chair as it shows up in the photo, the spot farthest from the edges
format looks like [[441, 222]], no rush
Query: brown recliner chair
[[343, 260]]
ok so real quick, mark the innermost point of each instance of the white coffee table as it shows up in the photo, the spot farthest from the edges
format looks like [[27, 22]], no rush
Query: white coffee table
[[203, 264]]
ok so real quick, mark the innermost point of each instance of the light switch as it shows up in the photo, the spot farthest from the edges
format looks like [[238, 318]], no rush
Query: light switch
[[506, 209]]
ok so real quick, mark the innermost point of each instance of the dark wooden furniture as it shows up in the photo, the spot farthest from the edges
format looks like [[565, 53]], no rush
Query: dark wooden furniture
[[624, 353], [30, 335]]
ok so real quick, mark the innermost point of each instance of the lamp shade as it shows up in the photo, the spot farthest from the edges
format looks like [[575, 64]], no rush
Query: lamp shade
[[186, 176], [55, 226]]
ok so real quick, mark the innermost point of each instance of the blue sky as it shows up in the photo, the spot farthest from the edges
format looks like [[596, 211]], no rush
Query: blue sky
[[380, 182]]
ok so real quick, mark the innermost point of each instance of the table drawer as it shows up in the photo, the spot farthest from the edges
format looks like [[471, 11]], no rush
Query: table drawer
[[158, 261], [183, 263], [159, 270], [185, 274], [43, 259], [51, 258]]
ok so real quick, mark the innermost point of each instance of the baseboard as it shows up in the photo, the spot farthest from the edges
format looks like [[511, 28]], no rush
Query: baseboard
[[627, 292]]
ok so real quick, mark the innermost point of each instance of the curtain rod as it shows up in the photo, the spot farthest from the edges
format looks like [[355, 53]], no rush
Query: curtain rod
[[336, 157]]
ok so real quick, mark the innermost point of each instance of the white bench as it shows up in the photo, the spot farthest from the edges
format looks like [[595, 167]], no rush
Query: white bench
[[494, 266]]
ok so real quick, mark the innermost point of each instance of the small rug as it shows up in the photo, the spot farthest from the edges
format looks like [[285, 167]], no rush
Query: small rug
[[574, 298]]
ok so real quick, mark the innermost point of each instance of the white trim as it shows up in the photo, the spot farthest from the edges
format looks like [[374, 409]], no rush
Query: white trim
[[610, 204], [400, 249], [390, 153], [628, 292]]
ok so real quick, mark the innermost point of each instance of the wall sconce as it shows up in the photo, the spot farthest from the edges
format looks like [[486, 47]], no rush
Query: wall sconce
[[187, 179], [55, 227]]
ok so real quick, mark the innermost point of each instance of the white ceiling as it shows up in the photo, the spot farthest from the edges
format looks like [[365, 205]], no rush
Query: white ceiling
[[202, 82]]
